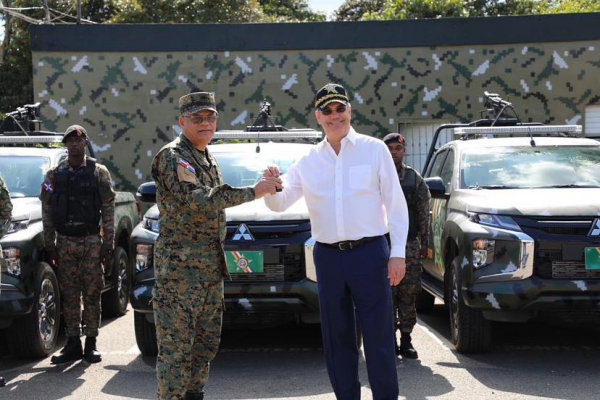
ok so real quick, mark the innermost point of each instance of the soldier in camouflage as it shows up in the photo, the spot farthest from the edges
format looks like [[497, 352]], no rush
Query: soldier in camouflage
[[417, 197], [76, 196], [189, 257], [5, 217]]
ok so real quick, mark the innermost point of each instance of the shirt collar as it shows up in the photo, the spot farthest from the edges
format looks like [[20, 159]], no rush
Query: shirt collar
[[351, 137]]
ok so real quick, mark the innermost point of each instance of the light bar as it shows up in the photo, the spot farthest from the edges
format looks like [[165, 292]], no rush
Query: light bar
[[285, 135], [30, 139], [573, 130]]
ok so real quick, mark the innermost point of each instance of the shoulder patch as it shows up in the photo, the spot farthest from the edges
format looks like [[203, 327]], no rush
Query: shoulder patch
[[187, 166], [48, 187]]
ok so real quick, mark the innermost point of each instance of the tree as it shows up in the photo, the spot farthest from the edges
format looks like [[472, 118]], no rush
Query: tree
[[354, 10], [290, 11]]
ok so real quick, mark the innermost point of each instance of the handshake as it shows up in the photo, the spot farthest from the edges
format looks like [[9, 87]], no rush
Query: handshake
[[270, 183]]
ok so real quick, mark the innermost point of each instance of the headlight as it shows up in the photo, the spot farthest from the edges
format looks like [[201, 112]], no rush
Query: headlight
[[16, 226], [12, 261], [483, 252], [496, 221], [151, 224], [143, 257]]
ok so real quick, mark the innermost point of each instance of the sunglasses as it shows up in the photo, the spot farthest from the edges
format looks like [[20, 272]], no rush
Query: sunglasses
[[328, 111], [198, 119]]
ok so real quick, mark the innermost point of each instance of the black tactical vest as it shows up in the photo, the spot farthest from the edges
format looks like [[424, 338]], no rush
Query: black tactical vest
[[409, 187], [76, 202]]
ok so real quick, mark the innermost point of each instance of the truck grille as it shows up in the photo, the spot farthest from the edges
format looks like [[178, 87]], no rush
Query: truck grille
[[559, 246]]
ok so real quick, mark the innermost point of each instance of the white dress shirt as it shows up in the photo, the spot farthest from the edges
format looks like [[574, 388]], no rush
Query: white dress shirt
[[350, 195]]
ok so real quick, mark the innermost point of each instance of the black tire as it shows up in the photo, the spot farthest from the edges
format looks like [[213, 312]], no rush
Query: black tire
[[145, 335], [115, 300], [471, 332], [424, 302], [35, 335]]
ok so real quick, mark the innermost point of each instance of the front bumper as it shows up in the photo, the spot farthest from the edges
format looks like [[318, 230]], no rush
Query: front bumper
[[13, 302]]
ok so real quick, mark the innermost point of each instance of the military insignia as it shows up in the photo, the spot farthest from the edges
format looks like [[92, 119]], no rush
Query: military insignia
[[48, 187], [187, 166], [331, 88], [242, 262]]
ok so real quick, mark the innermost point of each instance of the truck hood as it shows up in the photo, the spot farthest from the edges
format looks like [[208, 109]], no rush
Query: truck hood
[[256, 210], [532, 202], [26, 208]]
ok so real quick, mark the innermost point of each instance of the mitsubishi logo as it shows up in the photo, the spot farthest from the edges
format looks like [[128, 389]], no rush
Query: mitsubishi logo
[[595, 231], [242, 233]]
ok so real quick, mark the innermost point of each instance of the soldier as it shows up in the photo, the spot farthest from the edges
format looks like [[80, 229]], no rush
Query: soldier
[[5, 217], [189, 257], [76, 195], [417, 197]]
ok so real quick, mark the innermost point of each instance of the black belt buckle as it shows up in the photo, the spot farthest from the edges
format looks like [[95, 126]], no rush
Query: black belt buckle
[[348, 245]]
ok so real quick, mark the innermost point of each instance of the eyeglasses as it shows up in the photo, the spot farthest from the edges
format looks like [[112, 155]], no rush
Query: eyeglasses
[[329, 111], [198, 119]]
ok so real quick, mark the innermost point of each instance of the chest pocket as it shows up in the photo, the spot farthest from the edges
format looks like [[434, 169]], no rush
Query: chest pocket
[[359, 177], [185, 175]]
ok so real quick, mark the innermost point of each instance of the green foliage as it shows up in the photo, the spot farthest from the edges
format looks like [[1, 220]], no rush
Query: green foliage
[[355, 10], [289, 11]]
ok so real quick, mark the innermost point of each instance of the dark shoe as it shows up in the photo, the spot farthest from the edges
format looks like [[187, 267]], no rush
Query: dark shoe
[[194, 396], [406, 348], [90, 354], [71, 352], [2, 382]]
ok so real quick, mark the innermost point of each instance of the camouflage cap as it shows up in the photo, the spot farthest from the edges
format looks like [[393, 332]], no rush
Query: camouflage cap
[[394, 138], [330, 93], [74, 130], [198, 101]]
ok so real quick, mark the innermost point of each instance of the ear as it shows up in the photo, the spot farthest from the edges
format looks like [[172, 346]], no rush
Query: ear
[[181, 121], [318, 116]]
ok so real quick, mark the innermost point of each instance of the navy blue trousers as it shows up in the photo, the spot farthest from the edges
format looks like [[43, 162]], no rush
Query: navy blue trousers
[[357, 279]]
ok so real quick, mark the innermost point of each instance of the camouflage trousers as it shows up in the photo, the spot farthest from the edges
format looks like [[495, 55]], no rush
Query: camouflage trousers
[[405, 293], [80, 275], [188, 317]]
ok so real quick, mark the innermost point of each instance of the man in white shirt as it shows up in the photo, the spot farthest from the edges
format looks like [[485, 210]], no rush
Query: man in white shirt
[[351, 187]]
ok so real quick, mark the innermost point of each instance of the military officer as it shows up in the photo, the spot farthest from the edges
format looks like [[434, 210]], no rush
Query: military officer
[[417, 197], [189, 257], [5, 217], [76, 195]]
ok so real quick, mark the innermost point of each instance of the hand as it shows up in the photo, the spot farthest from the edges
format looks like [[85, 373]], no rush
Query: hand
[[423, 251], [267, 186], [51, 257], [106, 256], [396, 270], [272, 171]]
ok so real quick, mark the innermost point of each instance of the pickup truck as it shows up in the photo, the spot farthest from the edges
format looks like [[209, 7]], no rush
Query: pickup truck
[[30, 300], [514, 227]]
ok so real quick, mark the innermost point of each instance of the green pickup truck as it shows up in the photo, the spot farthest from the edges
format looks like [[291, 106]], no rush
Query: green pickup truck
[[29, 294]]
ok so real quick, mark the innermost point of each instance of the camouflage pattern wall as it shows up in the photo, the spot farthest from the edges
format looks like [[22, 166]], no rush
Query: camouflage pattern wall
[[127, 101]]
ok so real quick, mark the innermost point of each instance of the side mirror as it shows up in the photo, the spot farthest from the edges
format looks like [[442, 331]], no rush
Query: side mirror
[[146, 193], [436, 187]]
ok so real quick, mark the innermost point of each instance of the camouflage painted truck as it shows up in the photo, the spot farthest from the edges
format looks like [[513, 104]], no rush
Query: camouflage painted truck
[[515, 225], [29, 297]]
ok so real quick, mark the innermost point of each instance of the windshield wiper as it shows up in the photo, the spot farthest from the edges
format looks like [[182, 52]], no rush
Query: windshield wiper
[[479, 187], [571, 185]]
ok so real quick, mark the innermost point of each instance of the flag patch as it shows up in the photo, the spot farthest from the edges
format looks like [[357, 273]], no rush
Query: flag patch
[[187, 166], [48, 187]]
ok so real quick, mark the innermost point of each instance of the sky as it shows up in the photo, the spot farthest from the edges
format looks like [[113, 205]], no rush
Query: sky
[[327, 6]]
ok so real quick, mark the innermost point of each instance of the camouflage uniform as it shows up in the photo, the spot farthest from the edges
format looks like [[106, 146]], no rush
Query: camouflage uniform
[[5, 211], [80, 272], [189, 264], [405, 293]]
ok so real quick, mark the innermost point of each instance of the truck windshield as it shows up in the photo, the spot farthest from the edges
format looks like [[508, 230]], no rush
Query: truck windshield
[[531, 167], [246, 168], [23, 175]]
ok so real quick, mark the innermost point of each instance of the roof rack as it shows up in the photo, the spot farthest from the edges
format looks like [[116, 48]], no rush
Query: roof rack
[[291, 135], [519, 130]]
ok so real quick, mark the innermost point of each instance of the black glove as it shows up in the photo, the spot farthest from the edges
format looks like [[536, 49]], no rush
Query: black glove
[[106, 256], [51, 257]]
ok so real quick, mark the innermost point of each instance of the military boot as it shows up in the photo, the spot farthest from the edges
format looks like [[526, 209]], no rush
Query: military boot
[[71, 352], [90, 354], [406, 348], [194, 396]]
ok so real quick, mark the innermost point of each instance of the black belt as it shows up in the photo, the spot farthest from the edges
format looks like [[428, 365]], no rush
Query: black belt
[[350, 244]]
